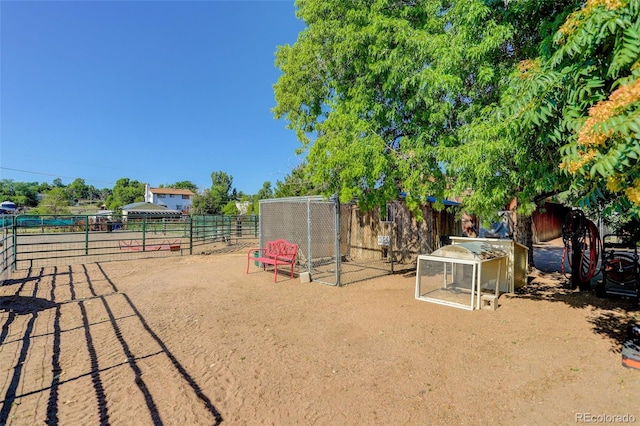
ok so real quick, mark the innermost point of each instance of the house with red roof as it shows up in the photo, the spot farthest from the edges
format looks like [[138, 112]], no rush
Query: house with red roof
[[173, 199]]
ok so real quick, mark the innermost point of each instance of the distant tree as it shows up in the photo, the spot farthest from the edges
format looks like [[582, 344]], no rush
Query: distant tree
[[104, 193], [184, 184], [296, 184], [23, 194], [78, 189], [221, 186], [203, 203], [57, 182], [125, 192], [94, 194], [265, 192], [7, 189], [252, 204], [56, 201], [230, 209], [212, 200], [44, 187]]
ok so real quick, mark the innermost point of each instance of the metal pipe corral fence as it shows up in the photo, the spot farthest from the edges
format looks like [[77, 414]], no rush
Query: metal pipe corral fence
[[48, 240]]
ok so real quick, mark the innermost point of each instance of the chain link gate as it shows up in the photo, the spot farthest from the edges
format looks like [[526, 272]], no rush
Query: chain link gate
[[330, 245]]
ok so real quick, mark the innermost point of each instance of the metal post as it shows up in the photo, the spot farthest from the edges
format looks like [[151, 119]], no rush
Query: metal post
[[4, 249], [260, 219], [392, 220], [190, 235], [15, 242], [337, 231], [144, 233], [309, 239], [86, 236]]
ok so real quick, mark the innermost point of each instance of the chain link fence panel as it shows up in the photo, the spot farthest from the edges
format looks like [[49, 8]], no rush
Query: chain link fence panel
[[334, 245]]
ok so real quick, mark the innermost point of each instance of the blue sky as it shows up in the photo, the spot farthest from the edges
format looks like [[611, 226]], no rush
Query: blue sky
[[156, 91]]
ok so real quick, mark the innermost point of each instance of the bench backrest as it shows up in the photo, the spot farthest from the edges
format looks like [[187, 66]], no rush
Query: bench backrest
[[281, 249]]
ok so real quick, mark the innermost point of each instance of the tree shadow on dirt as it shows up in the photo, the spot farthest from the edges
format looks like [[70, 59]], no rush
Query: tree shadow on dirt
[[609, 316]]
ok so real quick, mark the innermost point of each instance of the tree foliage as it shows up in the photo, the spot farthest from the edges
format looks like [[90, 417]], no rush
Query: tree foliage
[[213, 199], [230, 209], [486, 99], [374, 89], [125, 192], [296, 184], [265, 192], [568, 119], [183, 184], [78, 189], [23, 194], [56, 201], [498, 157], [598, 51]]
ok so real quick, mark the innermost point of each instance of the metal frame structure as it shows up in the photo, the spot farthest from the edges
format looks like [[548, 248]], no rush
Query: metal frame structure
[[518, 262], [620, 267], [443, 277], [311, 222], [329, 248], [48, 240]]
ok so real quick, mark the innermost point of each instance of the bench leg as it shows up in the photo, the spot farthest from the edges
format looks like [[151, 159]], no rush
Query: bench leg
[[275, 268]]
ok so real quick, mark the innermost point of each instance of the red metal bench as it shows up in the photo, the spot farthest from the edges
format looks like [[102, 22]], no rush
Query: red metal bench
[[278, 252]]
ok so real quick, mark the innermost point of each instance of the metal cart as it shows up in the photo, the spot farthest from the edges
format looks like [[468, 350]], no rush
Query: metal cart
[[620, 267]]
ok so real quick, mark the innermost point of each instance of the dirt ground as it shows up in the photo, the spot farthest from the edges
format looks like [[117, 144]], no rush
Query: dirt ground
[[193, 340]]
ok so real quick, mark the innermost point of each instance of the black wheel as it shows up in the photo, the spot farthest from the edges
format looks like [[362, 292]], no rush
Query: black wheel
[[601, 291]]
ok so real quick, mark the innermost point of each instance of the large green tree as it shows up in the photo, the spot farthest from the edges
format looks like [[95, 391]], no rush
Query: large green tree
[[588, 90], [568, 119], [421, 96], [215, 198], [486, 99], [78, 189], [125, 192], [497, 158], [376, 89], [56, 201]]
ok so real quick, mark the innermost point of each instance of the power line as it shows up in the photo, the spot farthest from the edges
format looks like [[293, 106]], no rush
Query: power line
[[49, 174]]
